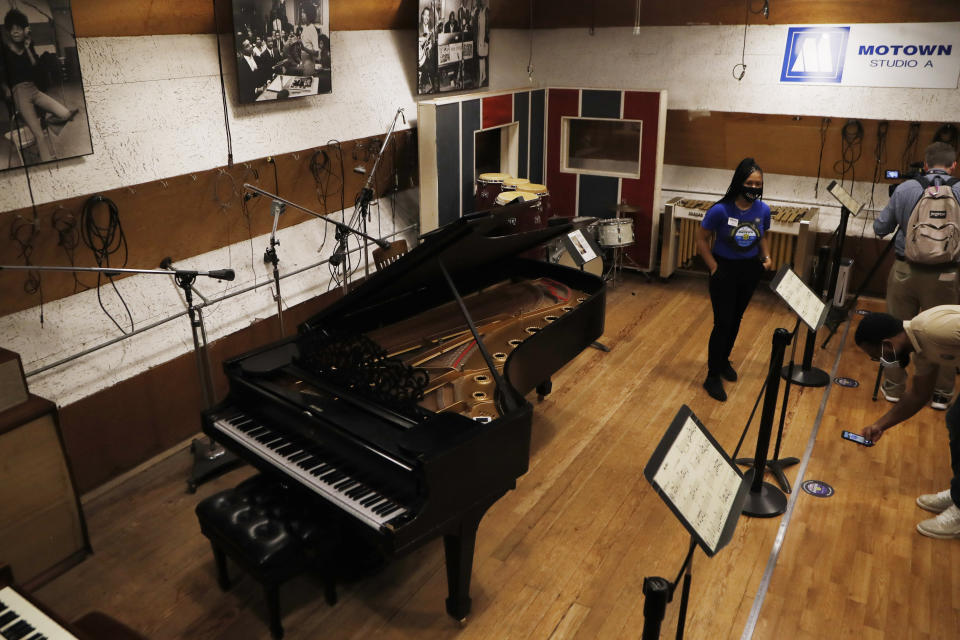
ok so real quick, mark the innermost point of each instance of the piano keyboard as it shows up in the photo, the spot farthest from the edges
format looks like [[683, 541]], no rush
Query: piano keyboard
[[309, 466], [21, 620]]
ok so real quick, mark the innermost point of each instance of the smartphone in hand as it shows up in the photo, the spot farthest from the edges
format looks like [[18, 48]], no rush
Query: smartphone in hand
[[856, 437]]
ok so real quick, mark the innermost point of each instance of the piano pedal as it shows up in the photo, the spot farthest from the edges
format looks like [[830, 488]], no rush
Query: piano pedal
[[210, 460]]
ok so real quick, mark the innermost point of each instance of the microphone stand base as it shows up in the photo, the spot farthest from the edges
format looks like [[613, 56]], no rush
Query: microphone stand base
[[210, 460], [812, 377], [766, 503]]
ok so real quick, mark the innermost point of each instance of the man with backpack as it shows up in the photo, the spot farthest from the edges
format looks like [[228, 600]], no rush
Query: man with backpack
[[925, 212]]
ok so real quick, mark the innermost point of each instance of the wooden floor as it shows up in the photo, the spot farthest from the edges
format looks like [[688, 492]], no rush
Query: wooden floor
[[565, 554]]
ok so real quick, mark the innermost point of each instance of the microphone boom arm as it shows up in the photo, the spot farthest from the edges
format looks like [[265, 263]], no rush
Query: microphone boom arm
[[339, 225]]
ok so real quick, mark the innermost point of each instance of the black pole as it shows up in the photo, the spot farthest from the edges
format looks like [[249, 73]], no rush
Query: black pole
[[210, 459], [807, 375], [836, 315], [684, 599], [765, 500], [656, 593], [838, 253]]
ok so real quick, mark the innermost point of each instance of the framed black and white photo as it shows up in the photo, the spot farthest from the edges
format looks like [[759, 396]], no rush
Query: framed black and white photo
[[453, 38], [44, 110], [282, 48]]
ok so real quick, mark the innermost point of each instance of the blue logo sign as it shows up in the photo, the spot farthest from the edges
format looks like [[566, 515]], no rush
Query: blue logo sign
[[817, 488], [815, 54], [846, 382]]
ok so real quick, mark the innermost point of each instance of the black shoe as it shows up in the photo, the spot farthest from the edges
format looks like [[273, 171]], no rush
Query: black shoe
[[729, 373], [714, 387]]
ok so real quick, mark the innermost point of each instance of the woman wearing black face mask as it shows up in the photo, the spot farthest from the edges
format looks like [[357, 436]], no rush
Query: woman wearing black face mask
[[739, 254]]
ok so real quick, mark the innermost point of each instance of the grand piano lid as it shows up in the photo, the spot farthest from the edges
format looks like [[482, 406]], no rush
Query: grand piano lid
[[465, 245]]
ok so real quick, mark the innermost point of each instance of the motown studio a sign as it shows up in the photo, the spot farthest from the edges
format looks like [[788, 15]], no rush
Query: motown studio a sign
[[920, 56]]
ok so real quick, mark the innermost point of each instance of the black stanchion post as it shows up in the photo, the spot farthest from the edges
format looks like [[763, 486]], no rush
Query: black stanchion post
[[656, 593], [806, 375], [764, 499]]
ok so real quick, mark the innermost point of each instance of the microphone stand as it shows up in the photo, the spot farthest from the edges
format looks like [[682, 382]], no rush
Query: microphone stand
[[343, 230], [210, 458], [270, 255], [366, 194]]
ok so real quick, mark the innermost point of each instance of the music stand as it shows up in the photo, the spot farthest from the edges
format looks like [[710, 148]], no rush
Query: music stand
[[583, 248], [703, 488], [848, 207]]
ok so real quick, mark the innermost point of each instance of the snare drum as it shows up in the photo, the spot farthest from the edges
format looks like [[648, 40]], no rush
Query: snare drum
[[489, 186], [615, 232], [540, 190]]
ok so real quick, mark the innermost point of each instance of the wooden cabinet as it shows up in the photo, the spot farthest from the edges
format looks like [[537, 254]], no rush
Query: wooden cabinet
[[42, 530]]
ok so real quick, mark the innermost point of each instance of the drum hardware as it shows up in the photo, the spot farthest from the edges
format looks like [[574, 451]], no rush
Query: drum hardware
[[623, 207], [615, 234]]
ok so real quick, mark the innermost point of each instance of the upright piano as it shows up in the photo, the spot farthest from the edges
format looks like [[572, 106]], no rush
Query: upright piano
[[388, 406]]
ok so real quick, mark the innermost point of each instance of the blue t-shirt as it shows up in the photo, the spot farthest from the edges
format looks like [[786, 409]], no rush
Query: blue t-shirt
[[738, 232]]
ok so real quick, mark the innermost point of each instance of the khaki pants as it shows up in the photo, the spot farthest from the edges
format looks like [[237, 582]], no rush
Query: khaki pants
[[911, 289]]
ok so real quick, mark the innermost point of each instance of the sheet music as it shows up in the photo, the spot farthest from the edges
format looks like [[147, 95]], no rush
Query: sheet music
[[583, 247], [698, 482], [801, 299]]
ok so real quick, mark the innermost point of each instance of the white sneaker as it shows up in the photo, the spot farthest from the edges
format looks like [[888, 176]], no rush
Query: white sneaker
[[945, 525], [889, 397], [935, 502], [940, 402]]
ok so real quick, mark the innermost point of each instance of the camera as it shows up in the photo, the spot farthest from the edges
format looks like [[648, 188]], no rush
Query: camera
[[915, 170]]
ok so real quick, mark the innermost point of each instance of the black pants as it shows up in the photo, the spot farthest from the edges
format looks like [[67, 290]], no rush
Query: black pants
[[953, 428], [731, 287]]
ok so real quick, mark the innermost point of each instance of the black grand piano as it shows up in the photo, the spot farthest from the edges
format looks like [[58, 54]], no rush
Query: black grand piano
[[388, 406]]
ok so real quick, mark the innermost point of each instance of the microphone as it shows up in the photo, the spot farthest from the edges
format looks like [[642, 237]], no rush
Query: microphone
[[222, 274], [249, 195], [166, 263]]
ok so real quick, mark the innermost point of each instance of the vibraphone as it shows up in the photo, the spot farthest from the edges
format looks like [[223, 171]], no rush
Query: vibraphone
[[790, 239]]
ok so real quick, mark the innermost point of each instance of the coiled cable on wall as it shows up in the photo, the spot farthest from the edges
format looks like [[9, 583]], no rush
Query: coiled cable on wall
[[947, 133], [105, 240], [851, 148], [824, 125], [24, 232], [879, 156], [910, 148], [68, 238]]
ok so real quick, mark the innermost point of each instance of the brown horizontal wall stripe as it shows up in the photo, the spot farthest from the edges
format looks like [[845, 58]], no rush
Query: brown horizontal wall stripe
[[188, 215], [783, 144], [153, 17]]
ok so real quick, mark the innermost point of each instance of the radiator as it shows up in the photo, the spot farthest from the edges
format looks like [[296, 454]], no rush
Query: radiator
[[790, 238]]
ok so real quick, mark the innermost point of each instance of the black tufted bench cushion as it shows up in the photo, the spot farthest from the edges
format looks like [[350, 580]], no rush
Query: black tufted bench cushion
[[272, 532]]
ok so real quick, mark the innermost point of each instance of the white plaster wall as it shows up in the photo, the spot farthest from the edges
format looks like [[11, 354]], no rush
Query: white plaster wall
[[694, 64]]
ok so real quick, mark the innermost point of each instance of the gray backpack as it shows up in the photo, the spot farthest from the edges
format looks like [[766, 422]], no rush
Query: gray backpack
[[933, 229]]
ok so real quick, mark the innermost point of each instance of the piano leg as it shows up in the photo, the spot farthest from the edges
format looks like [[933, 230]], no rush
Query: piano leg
[[458, 546], [544, 389]]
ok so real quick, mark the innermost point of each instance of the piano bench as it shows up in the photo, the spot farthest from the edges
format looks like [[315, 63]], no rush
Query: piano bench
[[269, 531]]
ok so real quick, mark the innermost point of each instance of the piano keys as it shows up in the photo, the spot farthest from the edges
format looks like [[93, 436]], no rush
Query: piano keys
[[20, 619], [387, 406]]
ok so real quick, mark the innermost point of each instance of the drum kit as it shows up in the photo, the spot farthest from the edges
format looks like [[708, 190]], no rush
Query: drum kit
[[611, 234]]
